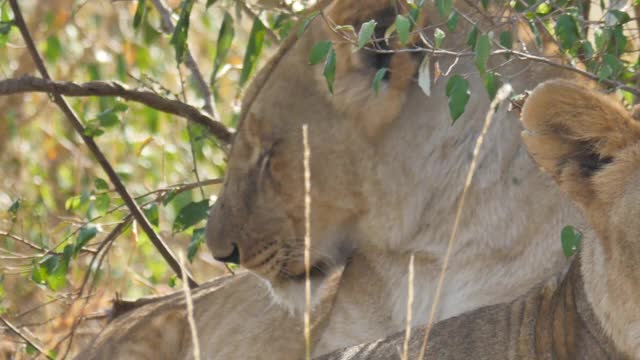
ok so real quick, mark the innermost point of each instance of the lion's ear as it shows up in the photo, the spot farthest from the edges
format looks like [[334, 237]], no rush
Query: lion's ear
[[572, 132], [354, 95]]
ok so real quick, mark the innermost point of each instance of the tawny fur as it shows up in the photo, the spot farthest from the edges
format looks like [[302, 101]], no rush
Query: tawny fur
[[592, 310], [386, 171]]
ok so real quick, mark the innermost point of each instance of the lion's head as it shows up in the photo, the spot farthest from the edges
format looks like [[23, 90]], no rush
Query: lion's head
[[386, 166], [590, 144], [258, 220]]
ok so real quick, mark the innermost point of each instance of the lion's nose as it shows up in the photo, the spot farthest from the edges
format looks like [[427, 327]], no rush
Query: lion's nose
[[234, 258]]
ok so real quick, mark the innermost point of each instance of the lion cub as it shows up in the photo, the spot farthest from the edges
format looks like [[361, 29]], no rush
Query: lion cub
[[591, 146]]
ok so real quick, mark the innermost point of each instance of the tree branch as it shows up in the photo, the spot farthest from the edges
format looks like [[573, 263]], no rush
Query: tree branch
[[27, 339], [112, 88], [190, 62], [165, 251]]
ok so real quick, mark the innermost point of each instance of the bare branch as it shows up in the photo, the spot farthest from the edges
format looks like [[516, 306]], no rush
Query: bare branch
[[165, 251], [112, 88], [192, 65], [26, 338]]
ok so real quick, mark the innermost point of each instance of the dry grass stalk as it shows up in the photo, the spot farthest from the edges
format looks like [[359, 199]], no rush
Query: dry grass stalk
[[407, 334], [502, 94], [307, 241], [189, 301]]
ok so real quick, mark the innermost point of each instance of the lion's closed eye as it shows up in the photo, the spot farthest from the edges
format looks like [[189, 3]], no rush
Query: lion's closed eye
[[264, 162]]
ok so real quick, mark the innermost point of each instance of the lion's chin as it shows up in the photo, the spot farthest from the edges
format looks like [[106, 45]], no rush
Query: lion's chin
[[290, 291]]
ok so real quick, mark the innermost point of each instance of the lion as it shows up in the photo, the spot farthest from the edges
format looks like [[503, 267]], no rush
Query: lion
[[590, 145], [387, 170]]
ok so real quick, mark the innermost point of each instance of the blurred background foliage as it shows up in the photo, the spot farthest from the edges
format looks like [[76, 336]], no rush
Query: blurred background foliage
[[56, 205], [60, 262]]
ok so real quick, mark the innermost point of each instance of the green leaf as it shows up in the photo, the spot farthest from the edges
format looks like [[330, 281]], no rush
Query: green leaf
[[483, 49], [92, 130], [173, 281], [543, 9], [365, 33], [140, 12], [5, 29], [492, 83], [254, 48], [2, 291], [15, 206], [438, 36], [101, 184], [225, 38], [210, 2], [452, 22], [169, 196], [102, 203], [72, 203], [610, 67], [85, 234], [319, 51], [414, 13], [181, 31], [39, 274], [620, 16], [109, 117], [567, 31], [403, 26], [506, 41], [152, 214], [472, 37], [197, 238], [52, 269], [306, 22], [444, 7], [190, 215], [329, 71], [378, 78], [571, 240], [53, 48], [4, 12], [57, 276], [458, 93], [485, 4]]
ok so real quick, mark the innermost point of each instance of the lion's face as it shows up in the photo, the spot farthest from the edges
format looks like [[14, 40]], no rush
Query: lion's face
[[590, 144], [258, 220]]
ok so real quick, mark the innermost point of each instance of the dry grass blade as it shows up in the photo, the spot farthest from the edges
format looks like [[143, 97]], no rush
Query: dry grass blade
[[502, 94], [407, 334], [307, 241], [189, 302]]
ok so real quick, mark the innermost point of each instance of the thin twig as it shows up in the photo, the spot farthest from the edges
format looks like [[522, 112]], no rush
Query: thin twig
[[459, 54], [138, 215], [113, 88], [190, 62], [106, 243], [26, 338], [41, 249], [502, 94], [23, 241]]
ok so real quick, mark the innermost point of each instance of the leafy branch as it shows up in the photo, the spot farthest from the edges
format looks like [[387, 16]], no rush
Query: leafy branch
[[59, 100], [113, 88]]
